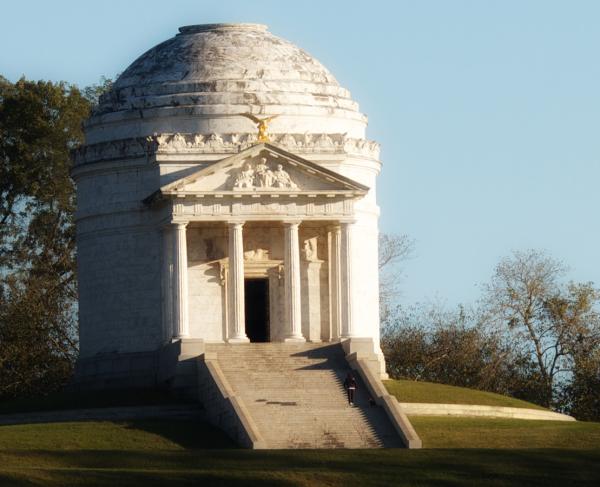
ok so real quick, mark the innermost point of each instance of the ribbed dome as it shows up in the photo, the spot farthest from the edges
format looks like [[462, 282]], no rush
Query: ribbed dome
[[203, 61], [226, 69]]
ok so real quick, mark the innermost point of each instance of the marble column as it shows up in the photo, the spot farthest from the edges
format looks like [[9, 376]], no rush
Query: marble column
[[347, 294], [180, 282], [293, 309], [235, 284], [167, 281], [335, 281], [312, 300]]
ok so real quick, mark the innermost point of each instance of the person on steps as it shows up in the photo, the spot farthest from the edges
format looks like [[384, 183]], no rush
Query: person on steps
[[350, 385]]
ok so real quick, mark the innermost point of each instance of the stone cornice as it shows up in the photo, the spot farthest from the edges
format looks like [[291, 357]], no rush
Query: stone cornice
[[222, 144]]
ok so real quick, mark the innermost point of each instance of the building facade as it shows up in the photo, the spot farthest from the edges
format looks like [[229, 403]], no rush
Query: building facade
[[226, 193]]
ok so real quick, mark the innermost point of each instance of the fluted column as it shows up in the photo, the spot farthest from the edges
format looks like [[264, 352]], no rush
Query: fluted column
[[167, 281], [348, 325], [293, 309], [235, 284], [180, 282], [335, 281]]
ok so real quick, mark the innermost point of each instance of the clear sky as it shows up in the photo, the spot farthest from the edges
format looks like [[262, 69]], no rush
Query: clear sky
[[488, 112]]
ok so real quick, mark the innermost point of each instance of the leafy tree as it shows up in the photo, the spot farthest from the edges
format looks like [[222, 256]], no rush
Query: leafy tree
[[40, 123], [581, 397], [453, 347], [578, 321], [93, 92], [542, 317]]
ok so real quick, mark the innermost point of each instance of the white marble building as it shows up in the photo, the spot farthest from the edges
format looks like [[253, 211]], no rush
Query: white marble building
[[191, 228]]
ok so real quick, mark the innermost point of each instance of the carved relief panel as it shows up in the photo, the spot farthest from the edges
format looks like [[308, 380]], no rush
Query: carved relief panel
[[261, 175]]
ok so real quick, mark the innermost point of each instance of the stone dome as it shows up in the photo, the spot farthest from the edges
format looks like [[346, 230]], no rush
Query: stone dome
[[202, 78]]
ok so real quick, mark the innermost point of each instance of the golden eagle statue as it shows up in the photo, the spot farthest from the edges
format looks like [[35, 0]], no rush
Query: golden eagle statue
[[261, 124]]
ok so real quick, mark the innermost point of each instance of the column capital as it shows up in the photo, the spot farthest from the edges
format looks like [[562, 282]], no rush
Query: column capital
[[292, 221], [236, 223], [176, 224]]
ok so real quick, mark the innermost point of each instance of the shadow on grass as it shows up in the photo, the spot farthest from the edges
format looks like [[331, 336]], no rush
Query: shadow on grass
[[190, 435], [302, 467], [132, 479]]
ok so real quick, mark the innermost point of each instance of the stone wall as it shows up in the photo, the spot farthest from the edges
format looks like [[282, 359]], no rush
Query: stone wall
[[118, 256]]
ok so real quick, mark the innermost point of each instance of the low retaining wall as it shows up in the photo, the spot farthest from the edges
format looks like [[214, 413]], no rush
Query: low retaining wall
[[472, 410], [131, 370], [361, 358], [223, 408]]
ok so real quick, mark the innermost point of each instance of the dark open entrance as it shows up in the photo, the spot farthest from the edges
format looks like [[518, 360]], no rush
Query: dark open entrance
[[256, 306]]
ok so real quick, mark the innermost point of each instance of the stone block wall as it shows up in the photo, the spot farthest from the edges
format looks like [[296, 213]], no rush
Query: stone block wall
[[119, 259]]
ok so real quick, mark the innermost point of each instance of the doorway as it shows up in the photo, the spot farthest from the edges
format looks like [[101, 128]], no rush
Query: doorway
[[256, 307]]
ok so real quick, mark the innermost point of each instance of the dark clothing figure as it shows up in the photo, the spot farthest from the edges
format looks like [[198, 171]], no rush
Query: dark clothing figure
[[350, 385]]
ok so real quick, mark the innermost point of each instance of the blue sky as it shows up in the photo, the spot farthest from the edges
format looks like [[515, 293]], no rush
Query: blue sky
[[488, 112]]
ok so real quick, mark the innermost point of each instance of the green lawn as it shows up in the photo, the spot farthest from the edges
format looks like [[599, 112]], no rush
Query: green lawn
[[452, 432], [161, 452], [148, 434], [458, 451], [429, 392]]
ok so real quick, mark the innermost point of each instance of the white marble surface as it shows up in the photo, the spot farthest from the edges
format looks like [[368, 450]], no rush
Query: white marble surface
[[200, 79]]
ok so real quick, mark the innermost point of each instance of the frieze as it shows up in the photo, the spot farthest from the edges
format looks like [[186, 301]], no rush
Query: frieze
[[209, 209], [222, 144]]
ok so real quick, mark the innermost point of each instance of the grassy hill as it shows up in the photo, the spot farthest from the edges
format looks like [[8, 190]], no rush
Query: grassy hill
[[429, 392], [451, 432], [458, 451], [181, 453], [454, 432], [178, 435], [138, 435]]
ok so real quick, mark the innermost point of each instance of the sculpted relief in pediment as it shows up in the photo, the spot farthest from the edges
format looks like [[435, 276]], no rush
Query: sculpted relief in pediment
[[261, 175], [268, 170]]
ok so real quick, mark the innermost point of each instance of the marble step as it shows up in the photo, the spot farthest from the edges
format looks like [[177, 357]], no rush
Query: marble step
[[295, 396]]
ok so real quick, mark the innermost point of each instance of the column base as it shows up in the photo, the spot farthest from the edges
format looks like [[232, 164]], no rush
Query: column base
[[239, 340], [294, 340]]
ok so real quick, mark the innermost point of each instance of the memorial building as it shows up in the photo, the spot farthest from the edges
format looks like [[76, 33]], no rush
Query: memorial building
[[226, 208]]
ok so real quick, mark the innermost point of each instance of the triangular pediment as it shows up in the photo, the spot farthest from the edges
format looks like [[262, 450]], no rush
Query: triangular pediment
[[264, 169]]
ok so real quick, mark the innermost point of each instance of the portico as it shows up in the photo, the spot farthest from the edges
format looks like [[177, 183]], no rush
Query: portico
[[238, 220]]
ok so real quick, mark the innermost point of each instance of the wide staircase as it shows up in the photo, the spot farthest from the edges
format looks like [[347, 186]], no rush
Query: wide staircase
[[294, 394]]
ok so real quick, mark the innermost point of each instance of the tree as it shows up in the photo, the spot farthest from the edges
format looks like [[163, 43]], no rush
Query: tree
[[578, 321], [40, 123], [542, 317], [581, 397], [453, 347], [393, 249], [93, 93]]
